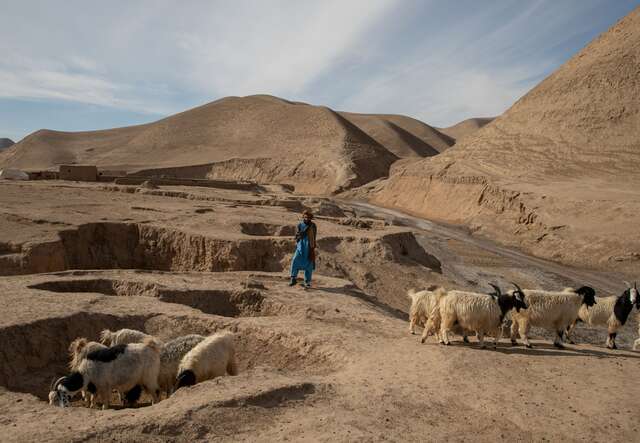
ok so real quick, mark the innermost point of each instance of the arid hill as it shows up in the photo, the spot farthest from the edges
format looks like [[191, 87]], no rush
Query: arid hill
[[465, 127], [558, 172], [260, 137], [5, 143], [402, 135]]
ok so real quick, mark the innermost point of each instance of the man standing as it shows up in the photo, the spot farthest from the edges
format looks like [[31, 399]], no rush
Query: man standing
[[305, 255]]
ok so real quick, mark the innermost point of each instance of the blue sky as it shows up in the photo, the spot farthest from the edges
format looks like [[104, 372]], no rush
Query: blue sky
[[81, 65]]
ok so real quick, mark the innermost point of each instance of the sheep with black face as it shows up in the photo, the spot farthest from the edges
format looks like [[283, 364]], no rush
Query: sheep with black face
[[215, 356]]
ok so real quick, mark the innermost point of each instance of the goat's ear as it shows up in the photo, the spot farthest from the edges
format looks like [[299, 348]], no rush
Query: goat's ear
[[626, 283]]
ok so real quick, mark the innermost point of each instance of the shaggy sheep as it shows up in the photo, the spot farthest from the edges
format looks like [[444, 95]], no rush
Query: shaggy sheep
[[212, 357], [422, 303], [611, 312], [170, 358], [120, 367], [550, 310], [482, 313], [122, 337]]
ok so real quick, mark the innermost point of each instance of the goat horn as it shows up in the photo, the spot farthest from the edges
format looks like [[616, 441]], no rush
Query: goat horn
[[517, 287], [55, 384], [498, 291]]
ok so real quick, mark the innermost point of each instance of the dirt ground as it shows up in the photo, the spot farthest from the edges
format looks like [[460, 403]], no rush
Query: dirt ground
[[334, 363]]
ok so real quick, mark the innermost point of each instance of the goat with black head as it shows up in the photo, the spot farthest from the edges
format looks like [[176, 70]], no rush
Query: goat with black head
[[550, 310], [120, 367], [482, 313], [610, 312]]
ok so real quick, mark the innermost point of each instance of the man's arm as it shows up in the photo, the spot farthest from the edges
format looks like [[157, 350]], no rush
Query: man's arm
[[312, 236]]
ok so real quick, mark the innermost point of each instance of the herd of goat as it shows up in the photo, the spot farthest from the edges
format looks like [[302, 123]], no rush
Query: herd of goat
[[131, 361], [443, 312]]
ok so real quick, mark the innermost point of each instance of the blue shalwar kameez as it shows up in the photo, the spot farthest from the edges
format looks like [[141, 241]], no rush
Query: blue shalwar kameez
[[301, 259]]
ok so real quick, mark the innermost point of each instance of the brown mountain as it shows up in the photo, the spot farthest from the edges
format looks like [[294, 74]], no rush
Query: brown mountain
[[402, 135], [558, 173], [259, 138]]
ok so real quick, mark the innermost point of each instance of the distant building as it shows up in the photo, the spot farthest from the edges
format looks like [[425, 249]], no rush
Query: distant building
[[83, 173], [43, 175]]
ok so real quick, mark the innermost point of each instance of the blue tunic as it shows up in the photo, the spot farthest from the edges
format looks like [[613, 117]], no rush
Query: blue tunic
[[301, 260]]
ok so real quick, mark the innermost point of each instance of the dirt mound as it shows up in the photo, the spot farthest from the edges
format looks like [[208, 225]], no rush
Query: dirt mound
[[258, 138], [557, 173], [404, 136], [465, 127]]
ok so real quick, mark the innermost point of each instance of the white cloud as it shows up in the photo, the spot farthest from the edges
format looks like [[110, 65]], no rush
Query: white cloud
[[203, 48], [273, 47], [435, 61]]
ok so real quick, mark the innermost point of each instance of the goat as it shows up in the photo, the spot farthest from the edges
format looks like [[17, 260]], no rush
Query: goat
[[550, 310]]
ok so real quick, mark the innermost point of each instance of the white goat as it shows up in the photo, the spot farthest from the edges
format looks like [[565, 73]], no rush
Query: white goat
[[637, 342], [120, 367], [422, 304], [550, 310], [213, 357], [482, 313], [170, 357], [122, 337], [611, 312]]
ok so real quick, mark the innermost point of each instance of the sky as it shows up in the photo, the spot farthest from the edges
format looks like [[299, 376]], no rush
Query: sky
[[81, 65]]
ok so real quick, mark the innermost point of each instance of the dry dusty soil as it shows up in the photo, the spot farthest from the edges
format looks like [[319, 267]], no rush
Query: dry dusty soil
[[334, 363]]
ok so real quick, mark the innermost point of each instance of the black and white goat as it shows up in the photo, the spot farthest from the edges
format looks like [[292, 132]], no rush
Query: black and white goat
[[552, 310], [610, 312], [482, 313], [119, 367]]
